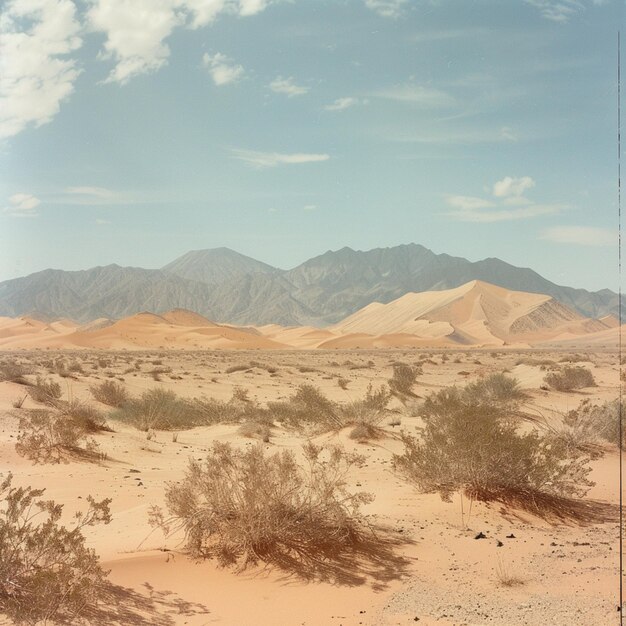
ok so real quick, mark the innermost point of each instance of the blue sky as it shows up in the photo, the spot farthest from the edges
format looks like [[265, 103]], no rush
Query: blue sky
[[132, 131]]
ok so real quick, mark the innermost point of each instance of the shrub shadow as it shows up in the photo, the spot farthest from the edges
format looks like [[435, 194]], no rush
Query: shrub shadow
[[560, 510], [121, 606], [373, 559]]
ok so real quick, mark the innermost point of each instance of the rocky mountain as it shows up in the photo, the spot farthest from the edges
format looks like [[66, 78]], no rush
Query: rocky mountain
[[101, 292], [228, 287], [216, 266]]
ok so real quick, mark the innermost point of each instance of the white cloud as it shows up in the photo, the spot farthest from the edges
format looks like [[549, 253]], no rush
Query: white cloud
[[223, 71], [22, 205], [102, 222], [36, 74], [341, 104], [136, 30], [510, 186], [427, 97], [468, 203], [97, 192], [288, 87], [272, 159], [509, 205], [562, 10], [505, 215], [309, 207], [580, 235], [386, 8]]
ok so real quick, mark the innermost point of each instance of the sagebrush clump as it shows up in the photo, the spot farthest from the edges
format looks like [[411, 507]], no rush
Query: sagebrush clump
[[570, 378], [110, 393], [47, 436], [472, 442], [47, 574], [242, 507]]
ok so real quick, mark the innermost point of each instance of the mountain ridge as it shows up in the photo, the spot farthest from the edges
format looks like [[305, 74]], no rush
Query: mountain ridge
[[228, 287]]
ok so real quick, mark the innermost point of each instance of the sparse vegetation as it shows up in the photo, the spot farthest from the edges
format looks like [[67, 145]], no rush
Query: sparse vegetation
[[403, 379], [471, 443], [157, 409], [45, 392], [47, 574], [110, 393], [46, 436], [570, 378], [13, 372], [242, 507]]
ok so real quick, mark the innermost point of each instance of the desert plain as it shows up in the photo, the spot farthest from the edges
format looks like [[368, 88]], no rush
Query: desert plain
[[426, 565]]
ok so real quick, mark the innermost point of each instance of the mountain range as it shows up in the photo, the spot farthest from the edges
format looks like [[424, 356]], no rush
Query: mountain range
[[228, 287]]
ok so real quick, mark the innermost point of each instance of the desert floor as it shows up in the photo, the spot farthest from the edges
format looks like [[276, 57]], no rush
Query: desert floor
[[427, 566]]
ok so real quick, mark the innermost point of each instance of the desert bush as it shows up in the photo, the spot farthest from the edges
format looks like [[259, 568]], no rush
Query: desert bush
[[343, 383], [367, 413], [157, 409], [470, 443], [403, 379], [495, 389], [255, 430], [590, 427], [110, 393], [242, 507], [570, 378], [85, 416], [44, 391], [13, 372], [49, 437], [307, 409], [47, 574]]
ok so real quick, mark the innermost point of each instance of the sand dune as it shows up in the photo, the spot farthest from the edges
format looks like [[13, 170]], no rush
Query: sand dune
[[475, 314]]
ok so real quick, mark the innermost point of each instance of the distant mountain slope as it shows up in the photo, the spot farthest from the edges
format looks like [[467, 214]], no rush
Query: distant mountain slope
[[339, 283], [216, 266], [228, 287], [110, 291]]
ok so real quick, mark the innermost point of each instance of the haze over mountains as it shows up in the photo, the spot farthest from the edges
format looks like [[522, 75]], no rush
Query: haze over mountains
[[228, 287]]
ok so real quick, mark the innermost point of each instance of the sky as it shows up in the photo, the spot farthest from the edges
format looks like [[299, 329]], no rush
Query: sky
[[133, 131]]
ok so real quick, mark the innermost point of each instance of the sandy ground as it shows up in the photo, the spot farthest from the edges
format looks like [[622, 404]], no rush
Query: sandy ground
[[427, 568]]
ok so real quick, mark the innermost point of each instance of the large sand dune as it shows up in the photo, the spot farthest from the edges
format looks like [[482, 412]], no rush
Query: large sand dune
[[475, 314]]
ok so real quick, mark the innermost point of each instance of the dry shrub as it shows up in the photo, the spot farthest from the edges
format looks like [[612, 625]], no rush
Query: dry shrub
[[47, 574], [590, 427], [403, 379], [86, 416], [472, 444], [157, 409], [255, 430], [506, 577], [570, 378], [242, 507], [367, 414], [44, 391], [307, 409], [110, 393], [13, 372], [48, 437], [496, 389]]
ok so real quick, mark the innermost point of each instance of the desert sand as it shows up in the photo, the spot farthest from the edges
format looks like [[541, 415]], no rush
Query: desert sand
[[476, 314], [428, 568]]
